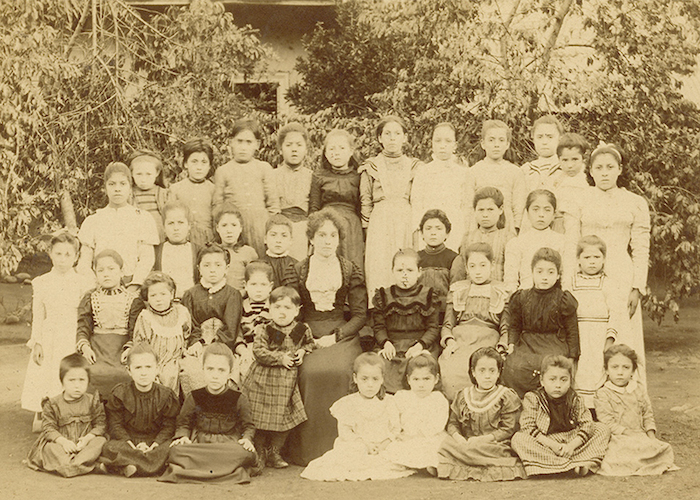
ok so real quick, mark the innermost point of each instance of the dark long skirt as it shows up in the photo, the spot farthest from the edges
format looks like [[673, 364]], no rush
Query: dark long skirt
[[119, 454], [324, 377], [210, 462], [521, 371]]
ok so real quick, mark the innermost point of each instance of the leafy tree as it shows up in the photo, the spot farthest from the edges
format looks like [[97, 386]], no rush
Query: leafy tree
[[81, 84], [609, 69]]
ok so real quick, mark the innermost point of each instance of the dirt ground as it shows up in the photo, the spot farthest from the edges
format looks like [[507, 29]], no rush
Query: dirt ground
[[674, 386]]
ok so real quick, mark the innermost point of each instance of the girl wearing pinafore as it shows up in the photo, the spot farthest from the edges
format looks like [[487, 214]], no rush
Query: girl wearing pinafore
[[166, 331], [385, 187], [474, 319]]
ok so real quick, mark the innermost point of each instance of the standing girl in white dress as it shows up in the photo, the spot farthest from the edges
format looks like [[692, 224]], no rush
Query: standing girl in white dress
[[621, 219], [55, 299], [385, 188]]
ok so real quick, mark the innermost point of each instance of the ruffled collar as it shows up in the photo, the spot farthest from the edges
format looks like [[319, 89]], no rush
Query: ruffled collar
[[213, 288], [629, 388]]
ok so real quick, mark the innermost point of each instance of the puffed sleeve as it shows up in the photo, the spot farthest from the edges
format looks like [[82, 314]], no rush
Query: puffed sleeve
[[315, 194], [508, 418], [454, 424], [381, 335], [87, 237], [169, 414], [344, 412], [147, 239], [417, 197], [570, 324], [220, 183], [187, 300], [272, 197], [439, 415], [639, 243], [458, 271], [357, 302]]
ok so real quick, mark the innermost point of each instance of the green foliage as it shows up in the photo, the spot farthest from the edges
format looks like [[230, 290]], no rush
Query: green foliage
[[609, 69], [73, 99]]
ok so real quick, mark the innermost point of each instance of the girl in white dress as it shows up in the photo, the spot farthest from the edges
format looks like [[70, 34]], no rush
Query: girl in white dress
[[368, 421], [55, 300], [423, 413]]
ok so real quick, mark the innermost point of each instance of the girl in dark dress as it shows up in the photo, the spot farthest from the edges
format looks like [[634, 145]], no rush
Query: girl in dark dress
[[542, 321]]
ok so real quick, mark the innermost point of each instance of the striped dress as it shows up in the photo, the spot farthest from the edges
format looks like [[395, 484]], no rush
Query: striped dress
[[535, 421]]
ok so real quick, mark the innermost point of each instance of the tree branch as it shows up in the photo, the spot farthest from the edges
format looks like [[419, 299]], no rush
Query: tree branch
[[556, 29]]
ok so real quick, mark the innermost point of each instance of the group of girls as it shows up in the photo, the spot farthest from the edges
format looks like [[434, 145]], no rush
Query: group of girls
[[195, 294]]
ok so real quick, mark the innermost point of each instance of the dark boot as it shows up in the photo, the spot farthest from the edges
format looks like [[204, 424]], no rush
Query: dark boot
[[259, 464], [275, 460]]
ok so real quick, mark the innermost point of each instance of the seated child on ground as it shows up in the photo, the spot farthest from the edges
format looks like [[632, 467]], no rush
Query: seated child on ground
[[368, 421], [484, 417], [623, 404], [141, 417], [557, 433], [214, 435], [423, 413], [271, 384], [74, 424]]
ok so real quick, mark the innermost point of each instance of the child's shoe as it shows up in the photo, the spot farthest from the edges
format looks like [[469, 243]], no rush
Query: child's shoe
[[129, 470], [275, 460]]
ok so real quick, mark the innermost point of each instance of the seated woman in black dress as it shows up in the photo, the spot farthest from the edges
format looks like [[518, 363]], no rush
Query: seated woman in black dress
[[334, 305]]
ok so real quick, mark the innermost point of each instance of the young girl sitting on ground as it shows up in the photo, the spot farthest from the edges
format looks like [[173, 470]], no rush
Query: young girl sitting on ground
[[423, 413], [141, 416], [368, 421], [405, 319], [541, 321], [55, 299], [214, 435], [106, 318], [557, 433], [74, 424], [271, 383], [623, 404], [474, 318], [165, 326], [484, 417]]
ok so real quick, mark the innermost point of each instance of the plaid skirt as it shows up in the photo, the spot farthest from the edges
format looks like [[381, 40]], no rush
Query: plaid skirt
[[538, 459], [275, 401]]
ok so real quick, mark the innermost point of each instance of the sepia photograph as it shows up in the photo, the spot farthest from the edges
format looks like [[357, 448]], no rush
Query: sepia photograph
[[350, 249]]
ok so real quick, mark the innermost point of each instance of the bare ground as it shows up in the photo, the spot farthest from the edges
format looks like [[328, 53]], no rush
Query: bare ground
[[674, 386]]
